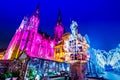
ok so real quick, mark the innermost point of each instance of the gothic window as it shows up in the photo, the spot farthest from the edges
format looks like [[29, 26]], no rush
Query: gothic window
[[57, 50], [80, 47], [72, 56]]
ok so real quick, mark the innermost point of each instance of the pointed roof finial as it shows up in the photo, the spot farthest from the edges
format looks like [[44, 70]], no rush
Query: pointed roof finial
[[59, 17], [36, 13]]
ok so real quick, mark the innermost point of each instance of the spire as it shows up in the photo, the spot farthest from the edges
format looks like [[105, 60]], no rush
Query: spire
[[59, 17], [36, 13]]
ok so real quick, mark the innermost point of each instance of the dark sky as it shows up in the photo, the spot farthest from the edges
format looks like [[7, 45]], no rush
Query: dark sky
[[100, 19]]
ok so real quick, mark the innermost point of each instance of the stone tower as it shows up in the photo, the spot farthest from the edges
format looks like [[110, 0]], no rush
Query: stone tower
[[59, 29]]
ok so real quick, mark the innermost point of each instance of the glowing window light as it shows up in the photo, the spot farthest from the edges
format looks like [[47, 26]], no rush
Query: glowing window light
[[76, 46], [52, 44]]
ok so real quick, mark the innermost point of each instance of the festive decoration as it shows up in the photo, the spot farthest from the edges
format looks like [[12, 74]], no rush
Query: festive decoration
[[104, 60], [40, 68]]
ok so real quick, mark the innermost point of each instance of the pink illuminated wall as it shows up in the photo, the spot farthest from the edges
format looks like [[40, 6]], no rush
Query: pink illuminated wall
[[28, 39]]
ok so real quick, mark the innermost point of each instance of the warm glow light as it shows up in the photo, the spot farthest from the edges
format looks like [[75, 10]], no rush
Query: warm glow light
[[52, 44], [76, 46]]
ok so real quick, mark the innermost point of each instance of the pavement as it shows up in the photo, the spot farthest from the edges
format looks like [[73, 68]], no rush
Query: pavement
[[105, 76], [111, 76]]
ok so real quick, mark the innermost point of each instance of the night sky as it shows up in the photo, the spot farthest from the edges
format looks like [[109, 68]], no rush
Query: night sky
[[100, 19]]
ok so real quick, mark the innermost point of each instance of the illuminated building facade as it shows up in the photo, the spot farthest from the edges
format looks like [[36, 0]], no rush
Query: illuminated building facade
[[1, 56], [2, 53], [65, 40], [67, 48], [75, 46], [58, 48], [58, 52], [25, 38], [59, 29], [31, 41], [60, 55]]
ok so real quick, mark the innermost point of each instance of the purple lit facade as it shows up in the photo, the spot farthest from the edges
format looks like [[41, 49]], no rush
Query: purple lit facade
[[33, 42]]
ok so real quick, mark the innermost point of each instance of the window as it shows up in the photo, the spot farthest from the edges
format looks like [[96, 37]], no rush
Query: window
[[57, 50]]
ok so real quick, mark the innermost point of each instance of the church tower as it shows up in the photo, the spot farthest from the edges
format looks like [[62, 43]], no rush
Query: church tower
[[59, 29], [35, 19], [33, 29], [24, 37]]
